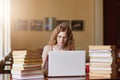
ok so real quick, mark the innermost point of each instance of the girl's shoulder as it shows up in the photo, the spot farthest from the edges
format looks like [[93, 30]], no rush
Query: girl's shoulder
[[47, 47]]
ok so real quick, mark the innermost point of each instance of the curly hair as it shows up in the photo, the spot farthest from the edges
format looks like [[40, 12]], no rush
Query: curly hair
[[63, 27]]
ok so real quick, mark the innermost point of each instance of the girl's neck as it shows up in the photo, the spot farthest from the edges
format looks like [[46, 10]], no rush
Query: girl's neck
[[58, 47]]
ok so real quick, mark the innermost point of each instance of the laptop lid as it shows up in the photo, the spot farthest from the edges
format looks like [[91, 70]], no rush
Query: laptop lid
[[66, 63]]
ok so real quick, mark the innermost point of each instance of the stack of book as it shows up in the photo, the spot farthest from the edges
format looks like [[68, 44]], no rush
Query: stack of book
[[118, 61], [102, 61], [26, 65]]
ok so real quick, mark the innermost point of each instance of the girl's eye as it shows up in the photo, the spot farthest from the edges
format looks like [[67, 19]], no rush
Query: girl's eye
[[62, 37], [59, 36]]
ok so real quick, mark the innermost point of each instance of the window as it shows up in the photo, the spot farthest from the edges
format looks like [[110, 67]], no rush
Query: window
[[4, 28]]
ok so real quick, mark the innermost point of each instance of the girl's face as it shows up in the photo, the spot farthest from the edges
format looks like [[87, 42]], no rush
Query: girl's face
[[62, 38]]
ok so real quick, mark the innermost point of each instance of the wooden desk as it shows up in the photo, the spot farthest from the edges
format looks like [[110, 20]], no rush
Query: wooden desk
[[9, 77]]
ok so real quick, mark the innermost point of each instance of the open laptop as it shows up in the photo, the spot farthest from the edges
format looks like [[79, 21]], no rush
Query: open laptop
[[66, 63]]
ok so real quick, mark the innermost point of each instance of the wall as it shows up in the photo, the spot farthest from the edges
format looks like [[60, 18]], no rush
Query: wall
[[61, 9]]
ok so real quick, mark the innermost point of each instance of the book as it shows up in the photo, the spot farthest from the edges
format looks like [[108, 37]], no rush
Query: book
[[27, 72], [20, 52], [109, 58], [25, 65], [101, 71], [100, 75], [27, 56], [93, 68], [99, 47], [101, 50], [28, 60], [33, 51], [100, 66], [25, 52], [100, 54], [30, 77], [101, 60], [26, 68]]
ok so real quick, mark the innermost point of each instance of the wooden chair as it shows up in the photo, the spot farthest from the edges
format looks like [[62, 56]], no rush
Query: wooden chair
[[6, 64]]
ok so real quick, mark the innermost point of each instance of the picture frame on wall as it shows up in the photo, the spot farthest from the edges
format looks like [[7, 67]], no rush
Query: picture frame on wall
[[77, 25], [21, 25], [36, 25], [60, 21], [50, 23]]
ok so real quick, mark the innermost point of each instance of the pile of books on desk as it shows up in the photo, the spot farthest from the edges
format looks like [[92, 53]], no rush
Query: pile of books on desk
[[102, 61], [118, 63], [118, 60], [26, 65]]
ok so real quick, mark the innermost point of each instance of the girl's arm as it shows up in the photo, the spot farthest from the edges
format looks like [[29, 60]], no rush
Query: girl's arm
[[44, 54]]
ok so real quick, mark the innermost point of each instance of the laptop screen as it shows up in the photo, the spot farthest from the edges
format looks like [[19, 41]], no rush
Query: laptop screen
[[66, 63]]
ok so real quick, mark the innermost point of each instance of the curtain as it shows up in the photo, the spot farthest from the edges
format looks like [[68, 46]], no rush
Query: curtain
[[5, 47]]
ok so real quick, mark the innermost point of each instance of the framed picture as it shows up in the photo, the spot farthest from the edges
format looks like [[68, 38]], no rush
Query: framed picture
[[60, 21], [77, 25], [36, 25], [50, 23], [21, 25]]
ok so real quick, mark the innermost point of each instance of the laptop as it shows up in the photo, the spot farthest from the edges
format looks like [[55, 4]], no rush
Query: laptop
[[66, 63]]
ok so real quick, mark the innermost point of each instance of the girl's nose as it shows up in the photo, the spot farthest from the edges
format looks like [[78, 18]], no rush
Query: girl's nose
[[62, 39]]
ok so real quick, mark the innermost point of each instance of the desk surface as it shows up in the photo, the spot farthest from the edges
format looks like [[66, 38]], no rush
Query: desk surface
[[9, 77]]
